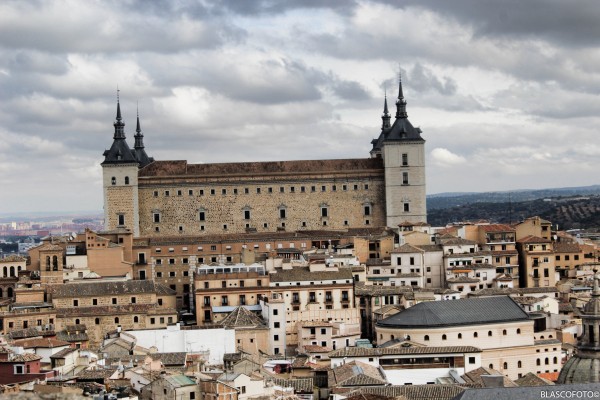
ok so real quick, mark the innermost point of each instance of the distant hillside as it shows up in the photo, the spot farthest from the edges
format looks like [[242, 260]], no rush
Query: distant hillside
[[574, 212], [448, 200]]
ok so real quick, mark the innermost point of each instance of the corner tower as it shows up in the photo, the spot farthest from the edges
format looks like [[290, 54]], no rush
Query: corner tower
[[120, 182], [403, 152]]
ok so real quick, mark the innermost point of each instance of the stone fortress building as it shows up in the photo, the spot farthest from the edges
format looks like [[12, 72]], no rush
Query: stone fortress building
[[157, 198]]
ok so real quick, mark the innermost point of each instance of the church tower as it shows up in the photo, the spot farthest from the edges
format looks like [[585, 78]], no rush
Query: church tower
[[402, 149], [584, 366], [120, 180]]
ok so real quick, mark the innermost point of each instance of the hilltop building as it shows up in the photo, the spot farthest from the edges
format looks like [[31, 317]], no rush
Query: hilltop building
[[157, 198]]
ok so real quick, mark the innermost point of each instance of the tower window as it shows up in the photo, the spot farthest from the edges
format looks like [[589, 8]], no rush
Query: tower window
[[367, 210], [121, 219], [246, 214], [202, 215], [167, 193], [190, 192], [223, 191], [179, 193], [113, 180], [156, 193], [324, 212], [282, 213], [127, 180], [156, 217], [406, 207]]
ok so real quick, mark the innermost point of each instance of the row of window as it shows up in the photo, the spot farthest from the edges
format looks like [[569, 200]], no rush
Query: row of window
[[114, 301], [459, 335], [282, 189], [113, 180], [10, 271], [282, 212], [136, 320]]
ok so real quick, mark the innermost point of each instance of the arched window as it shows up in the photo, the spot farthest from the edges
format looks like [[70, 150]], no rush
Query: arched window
[[537, 362], [54, 263], [549, 336], [113, 181], [518, 331], [47, 263], [12, 271], [5, 272], [504, 332], [136, 319], [489, 333], [9, 292], [555, 360], [127, 180], [542, 337], [475, 334], [547, 361], [505, 365], [444, 337], [77, 321], [519, 364], [491, 366], [97, 321], [116, 320], [407, 337], [19, 269], [460, 335], [426, 338], [1, 292]]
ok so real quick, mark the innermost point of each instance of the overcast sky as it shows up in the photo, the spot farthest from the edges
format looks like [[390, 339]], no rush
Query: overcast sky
[[506, 93]]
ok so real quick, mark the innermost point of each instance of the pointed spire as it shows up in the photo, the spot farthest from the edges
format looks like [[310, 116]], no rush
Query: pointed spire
[[400, 103], [596, 291], [385, 118], [119, 124], [139, 137]]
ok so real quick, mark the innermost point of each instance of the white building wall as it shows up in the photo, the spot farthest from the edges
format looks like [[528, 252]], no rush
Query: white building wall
[[215, 341]]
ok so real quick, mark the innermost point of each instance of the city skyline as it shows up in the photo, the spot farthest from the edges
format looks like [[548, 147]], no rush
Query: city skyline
[[505, 95]]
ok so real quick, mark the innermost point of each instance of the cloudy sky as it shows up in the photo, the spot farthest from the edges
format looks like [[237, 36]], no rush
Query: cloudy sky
[[506, 92]]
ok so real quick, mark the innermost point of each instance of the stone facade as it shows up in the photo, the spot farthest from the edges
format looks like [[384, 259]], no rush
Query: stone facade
[[328, 195]]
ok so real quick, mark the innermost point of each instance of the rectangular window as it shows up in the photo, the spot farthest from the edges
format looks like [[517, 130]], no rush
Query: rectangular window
[[405, 178], [367, 210], [257, 190], [302, 189], [334, 188], [121, 219], [313, 188], [246, 214], [270, 190], [190, 192], [405, 159], [281, 189], [324, 212], [75, 303], [212, 192], [323, 188], [282, 213], [223, 191], [235, 191], [201, 191], [406, 207], [412, 261], [156, 217]]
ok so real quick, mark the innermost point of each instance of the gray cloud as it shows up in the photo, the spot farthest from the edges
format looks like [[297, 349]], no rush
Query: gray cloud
[[506, 95]]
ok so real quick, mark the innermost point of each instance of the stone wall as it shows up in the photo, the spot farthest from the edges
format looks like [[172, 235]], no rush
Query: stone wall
[[264, 203], [120, 198]]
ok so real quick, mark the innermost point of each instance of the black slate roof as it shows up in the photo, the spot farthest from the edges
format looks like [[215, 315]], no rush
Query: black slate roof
[[471, 311]]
